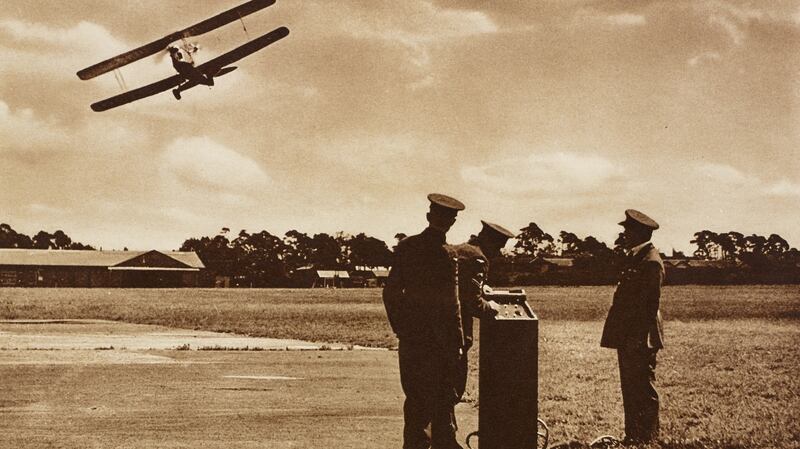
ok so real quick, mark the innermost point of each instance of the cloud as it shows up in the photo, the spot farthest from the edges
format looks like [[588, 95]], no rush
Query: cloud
[[423, 83], [37, 46], [45, 209], [58, 52], [731, 27], [703, 57], [420, 22], [25, 134], [550, 173], [87, 35], [748, 185], [734, 20], [784, 188], [413, 30], [724, 173], [586, 16], [381, 159], [626, 19], [200, 163], [22, 130]]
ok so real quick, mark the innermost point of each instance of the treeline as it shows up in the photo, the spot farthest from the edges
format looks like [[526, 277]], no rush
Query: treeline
[[719, 258], [9, 238], [538, 258], [754, 250], [265, 260]]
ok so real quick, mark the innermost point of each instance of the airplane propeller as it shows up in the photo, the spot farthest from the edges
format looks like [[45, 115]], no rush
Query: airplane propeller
[[186, 48]]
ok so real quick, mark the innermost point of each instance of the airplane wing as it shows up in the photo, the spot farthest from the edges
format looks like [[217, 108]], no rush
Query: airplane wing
[[137, 94], [213, 66], [160, 44]]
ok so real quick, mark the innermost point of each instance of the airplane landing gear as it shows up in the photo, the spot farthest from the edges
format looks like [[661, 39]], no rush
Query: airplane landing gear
[[176, 93]]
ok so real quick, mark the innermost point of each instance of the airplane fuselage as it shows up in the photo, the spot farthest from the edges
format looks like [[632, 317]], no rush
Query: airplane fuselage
[[189, 72]]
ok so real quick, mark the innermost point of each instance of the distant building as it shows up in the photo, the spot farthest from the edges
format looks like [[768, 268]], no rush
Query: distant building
[[73, 268], [550, 264], [363, 276], [678, 264], [311, 277], [381, 275]]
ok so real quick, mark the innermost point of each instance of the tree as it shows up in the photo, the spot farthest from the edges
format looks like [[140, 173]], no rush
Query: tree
[[325, 251], [776, 245], [706, 242], [299, 250], [43, 240], [61, 240], [791, 257], [594, 256], [731, 244], [755, 244], [368, 251], [9, 238], [533, 241], [594, 247], [217, 253], [260, 259], [343, 240], [570, 244]]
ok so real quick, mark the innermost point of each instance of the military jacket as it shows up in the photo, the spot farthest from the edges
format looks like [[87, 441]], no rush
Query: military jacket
[[473, 268], [634, 319], [419, 296]]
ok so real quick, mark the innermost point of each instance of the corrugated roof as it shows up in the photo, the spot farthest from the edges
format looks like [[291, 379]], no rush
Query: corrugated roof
[[151, 269], [332, 273], [710, 264], [560, 261], [188, 257], [84, 258]]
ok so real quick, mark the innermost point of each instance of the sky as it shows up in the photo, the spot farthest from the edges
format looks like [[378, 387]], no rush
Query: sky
[[563, 113]]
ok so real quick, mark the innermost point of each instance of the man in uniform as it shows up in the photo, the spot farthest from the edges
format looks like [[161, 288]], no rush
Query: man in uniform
[[633, 327], [423, 312], [473, 268]]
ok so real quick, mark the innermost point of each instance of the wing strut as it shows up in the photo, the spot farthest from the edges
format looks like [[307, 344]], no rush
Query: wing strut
[[244, 27]]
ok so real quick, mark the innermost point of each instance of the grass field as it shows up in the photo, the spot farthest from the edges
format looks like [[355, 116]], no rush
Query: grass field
[[727, 377], [357, 315]]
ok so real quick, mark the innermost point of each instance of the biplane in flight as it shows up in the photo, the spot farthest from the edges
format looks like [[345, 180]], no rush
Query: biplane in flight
[[188, 75]]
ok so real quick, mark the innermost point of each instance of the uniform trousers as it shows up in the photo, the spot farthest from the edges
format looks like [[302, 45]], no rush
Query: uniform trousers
[[639, 396], [431, 390]]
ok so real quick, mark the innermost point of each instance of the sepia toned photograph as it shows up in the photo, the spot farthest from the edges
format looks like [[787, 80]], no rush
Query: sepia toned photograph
[[419, 224]]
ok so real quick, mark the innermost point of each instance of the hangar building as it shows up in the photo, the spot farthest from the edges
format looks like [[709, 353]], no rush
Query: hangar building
[[79, 268]]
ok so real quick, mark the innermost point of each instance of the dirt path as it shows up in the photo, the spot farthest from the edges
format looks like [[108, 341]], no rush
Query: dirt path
[[61, 385], [100, 334]]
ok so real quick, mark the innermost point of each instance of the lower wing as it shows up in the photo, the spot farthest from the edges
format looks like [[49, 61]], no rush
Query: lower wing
[[215, 65], [138, 94]]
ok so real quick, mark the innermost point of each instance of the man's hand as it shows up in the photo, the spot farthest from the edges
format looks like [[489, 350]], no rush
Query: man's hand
[[495, 306]]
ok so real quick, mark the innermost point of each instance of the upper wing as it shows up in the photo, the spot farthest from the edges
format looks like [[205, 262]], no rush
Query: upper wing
[[160, 44], [137, 94], [213, 66]]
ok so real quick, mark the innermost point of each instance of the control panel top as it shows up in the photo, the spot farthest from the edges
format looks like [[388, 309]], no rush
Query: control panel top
[[513, 304]]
